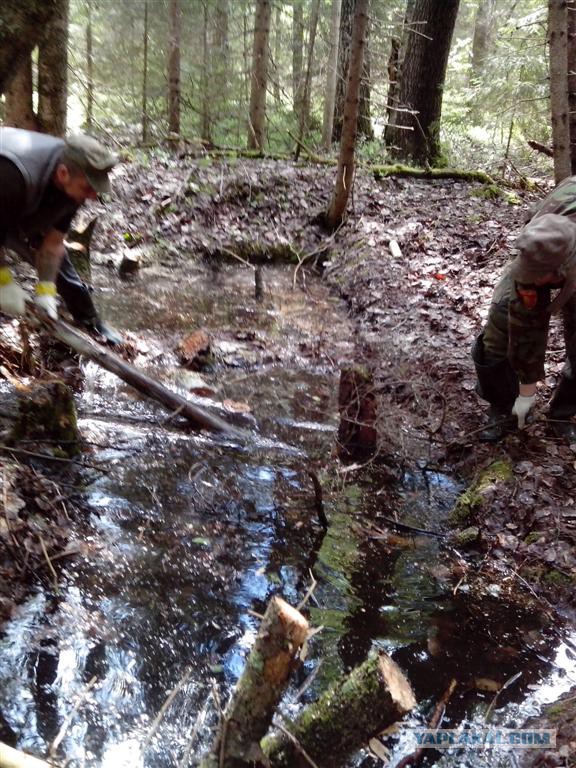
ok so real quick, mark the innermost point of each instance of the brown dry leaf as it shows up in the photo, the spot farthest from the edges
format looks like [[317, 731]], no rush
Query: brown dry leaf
[[235, 407], [486, 684]]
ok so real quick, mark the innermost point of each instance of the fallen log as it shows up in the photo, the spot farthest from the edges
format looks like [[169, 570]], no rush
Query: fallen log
[[13, 758], [80, 343], [374, 696], [250, 711]]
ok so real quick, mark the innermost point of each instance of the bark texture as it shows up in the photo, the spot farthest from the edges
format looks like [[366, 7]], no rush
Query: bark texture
[[19, 110], [174, 36], [249, 714], [260, 53], [297, 54], [558, 42], [53, 72], [347, 13], [329, 101], [373, 697], [571, 27], [428, 36], [345, 172], [22, 25]]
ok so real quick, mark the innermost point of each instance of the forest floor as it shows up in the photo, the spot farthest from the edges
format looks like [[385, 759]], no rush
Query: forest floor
[[416, 315]]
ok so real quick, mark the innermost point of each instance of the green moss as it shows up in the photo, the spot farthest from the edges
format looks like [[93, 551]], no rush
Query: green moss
[[383, 171], [471, 500], [532, 537], [556, 578], [488, 192]]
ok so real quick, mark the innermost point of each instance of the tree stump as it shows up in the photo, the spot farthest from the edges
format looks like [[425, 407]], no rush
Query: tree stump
[[250, 711], [357, 437], [374, 696], [47, 414]]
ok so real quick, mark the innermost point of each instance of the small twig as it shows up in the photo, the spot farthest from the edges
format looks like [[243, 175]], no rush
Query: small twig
[[309, 592], [23, 452], [50, 566], [318, 500], [408, 528], [507, 684], [183, 763], [297, 745], [69, 717], [164, 708]]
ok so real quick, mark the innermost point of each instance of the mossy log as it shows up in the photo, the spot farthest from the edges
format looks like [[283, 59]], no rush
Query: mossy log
[[383, 171], [374, 696], [47, 413], [249, 714], [13, 758]]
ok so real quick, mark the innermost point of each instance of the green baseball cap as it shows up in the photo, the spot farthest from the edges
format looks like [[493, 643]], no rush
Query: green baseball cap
[[94, 159]]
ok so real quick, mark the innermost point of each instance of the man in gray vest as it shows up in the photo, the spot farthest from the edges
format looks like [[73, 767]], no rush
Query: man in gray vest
[[43, 182]]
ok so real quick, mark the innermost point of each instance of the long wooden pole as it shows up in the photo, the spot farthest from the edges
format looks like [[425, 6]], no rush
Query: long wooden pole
[[13, 758], [79, 342]]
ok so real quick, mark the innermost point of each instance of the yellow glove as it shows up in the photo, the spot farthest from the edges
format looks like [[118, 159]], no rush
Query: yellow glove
[[12, 297], [45, 298]]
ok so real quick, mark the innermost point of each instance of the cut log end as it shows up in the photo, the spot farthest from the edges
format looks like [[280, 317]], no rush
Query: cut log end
[[396, 684]]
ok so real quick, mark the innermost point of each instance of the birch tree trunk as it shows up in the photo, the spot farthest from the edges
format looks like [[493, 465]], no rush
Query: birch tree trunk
[[558, 42], [257, 126], [174, 37], [53, 73], [345, 173], [328, 120], [19, 109]]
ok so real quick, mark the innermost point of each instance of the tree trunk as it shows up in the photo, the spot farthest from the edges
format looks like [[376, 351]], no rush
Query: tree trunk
[[258, 692], [206, 120], [558, 41], [427, 45], [481, 40], [305, 110], [344, 53], [393, 80], [373, 697], [328, 121], [221, 55], [90, 67], [345, 173], [175, 22], [393, 106], [145, 122], [21, 28], [257, 126], [571, 28], [277, 51], [19, 110], [297, 55], [53, 73]]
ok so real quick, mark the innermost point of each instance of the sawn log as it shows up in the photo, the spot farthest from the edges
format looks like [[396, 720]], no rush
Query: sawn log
[[248, 716], [79, 342], [374, 696]]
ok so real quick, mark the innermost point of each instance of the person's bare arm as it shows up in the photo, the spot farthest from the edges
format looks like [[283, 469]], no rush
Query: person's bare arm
[[49, 256]]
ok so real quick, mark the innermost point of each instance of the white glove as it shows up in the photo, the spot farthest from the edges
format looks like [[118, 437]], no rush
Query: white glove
[[12, 297], [45, 298], [521, 406]]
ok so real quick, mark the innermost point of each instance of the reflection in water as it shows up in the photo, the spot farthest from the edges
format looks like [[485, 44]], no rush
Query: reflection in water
[[193, 533]]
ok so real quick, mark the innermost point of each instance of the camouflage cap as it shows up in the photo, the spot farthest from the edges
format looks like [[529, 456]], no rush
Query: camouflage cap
[[93, 158], [547, 244]]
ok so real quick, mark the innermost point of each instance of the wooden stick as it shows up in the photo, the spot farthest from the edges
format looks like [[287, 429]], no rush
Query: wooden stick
[[79, 342], [266, 674], [13, 758]]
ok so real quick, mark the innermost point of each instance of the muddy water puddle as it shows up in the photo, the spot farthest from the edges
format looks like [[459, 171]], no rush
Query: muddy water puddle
[[194, 533]]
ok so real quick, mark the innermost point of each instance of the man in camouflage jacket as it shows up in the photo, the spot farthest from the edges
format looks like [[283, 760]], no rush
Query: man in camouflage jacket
[[539, 283]]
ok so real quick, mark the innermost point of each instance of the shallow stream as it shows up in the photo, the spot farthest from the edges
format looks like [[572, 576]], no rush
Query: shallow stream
[[192, 534]]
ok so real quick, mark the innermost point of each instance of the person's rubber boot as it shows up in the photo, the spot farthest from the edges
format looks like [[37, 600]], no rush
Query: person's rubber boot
[[498, 425], [563, 407], [78, 299], [496, 383]]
